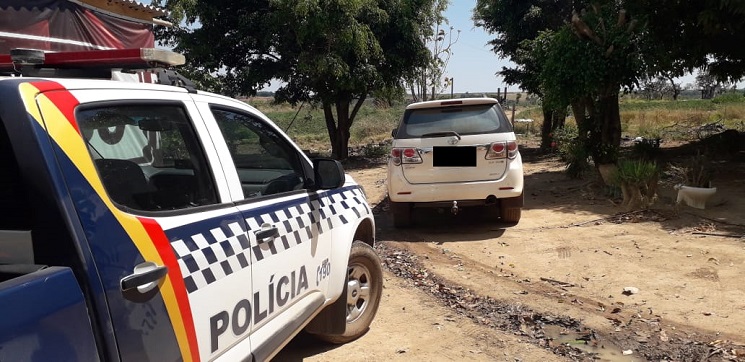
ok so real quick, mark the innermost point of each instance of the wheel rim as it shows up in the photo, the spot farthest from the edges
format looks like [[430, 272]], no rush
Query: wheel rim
[[358, 291]]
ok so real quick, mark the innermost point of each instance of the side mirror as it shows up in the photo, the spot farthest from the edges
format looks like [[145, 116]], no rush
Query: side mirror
[[328, 174], [393, 132]]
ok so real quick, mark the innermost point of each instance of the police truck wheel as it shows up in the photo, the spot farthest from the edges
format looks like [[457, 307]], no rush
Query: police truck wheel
[[364, 288]]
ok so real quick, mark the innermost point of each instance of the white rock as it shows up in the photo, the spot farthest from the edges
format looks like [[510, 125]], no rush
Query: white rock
[[630, 290]]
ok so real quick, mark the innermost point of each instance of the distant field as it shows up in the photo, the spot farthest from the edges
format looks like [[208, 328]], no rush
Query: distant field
[[666, 119]]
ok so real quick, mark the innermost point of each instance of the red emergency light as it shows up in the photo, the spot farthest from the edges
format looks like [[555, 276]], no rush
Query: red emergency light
[[138, 58]]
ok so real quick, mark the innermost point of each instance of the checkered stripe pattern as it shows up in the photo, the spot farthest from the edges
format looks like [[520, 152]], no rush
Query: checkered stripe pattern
[[298, 223], [209, 256]]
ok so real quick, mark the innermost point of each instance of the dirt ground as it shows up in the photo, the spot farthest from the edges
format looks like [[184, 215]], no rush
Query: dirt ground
[[551, 288]]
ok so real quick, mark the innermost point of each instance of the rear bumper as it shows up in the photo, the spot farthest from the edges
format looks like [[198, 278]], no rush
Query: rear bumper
[[509, 186]]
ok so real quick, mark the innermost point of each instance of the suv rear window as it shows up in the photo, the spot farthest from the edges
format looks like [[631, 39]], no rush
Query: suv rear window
[[475, 119]]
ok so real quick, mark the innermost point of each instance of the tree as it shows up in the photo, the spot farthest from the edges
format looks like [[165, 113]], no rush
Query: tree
[[426, 82], [515, 23], [587, 63], [709, 84], [334, 53]]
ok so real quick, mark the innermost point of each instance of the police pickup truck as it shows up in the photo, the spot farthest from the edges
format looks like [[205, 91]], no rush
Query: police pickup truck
[[156, 222]]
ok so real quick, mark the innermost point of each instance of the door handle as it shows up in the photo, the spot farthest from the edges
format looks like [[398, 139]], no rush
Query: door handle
[[266, 233], [145, 277]]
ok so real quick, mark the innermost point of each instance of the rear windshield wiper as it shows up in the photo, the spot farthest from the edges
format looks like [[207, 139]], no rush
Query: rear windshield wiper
[[442, 134]]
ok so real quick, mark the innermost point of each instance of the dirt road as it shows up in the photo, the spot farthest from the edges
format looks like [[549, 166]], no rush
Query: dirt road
[[553, 287]]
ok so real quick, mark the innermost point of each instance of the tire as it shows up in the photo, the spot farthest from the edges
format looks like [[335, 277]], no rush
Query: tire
[[364, 289], [401, 214], [510, 215]]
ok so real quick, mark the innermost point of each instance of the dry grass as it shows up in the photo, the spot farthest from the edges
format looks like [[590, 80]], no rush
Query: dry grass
[[670, 120]]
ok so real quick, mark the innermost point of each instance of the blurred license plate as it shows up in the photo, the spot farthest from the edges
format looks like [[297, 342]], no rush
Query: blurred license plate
[[454, 156]]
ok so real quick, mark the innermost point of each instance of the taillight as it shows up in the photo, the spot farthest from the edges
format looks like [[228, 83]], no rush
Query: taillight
[[405, 155], [502, 150], [396, 156], [511, 149], [496, 150]]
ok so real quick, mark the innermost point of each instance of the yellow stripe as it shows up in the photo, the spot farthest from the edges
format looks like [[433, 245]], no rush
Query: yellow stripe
[[28, 94], [73, 146]]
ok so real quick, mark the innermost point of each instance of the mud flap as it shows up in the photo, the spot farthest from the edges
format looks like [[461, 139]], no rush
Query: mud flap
[[332, 319], [512, 202]]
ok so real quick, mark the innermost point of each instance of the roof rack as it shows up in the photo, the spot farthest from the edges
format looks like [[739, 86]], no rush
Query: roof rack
[[149, 65]]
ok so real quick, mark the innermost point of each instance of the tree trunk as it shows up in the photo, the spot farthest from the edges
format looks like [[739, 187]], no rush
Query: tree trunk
[[328, 115], [552, 120], [584, 115], [676, 88], [610, 116], [546, 139], [339, 131]]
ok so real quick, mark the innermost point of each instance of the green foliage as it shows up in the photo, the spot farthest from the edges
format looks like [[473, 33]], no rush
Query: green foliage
[[577, 158], [731, 97], [693, 104], [595, 55], [635, 172], [513, 23], [571, 151], [334, 53], [376, 150], [638, 182]]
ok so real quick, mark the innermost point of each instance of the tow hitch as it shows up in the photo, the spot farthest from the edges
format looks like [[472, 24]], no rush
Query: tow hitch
[[454, 209]]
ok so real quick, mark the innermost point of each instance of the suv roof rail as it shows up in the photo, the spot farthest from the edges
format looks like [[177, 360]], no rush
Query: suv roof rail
[[96, 64]]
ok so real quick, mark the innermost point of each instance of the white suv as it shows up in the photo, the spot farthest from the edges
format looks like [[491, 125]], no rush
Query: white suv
[[455, 153]]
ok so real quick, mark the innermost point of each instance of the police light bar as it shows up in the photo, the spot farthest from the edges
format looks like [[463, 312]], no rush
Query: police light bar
[[137, 58]]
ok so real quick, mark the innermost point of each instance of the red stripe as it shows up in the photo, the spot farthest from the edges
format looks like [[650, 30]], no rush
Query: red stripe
[[46, 85], [166, 253], [62, 98]]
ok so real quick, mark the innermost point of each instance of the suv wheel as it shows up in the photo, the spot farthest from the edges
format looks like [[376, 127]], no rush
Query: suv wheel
[[510, 215], [364, 289], [401, 214]]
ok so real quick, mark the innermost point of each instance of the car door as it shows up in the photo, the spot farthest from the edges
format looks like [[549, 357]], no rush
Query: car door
[[169, 245], [289, 226]]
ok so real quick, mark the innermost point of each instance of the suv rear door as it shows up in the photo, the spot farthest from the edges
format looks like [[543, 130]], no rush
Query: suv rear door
[[452, 141], [170, 247]]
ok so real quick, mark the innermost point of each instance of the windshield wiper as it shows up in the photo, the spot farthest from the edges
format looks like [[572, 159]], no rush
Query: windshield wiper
[[442, 134]]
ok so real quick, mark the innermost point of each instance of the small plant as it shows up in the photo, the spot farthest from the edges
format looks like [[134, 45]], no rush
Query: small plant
[[576, 157], [696, 172], [376, 150], [638, 181]]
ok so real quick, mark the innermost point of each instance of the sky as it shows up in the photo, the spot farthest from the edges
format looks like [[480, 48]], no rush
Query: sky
[[472, 63]]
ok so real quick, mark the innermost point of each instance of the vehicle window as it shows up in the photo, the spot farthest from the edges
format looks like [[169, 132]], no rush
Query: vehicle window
[[148, 156], [266, 163], [464, 120], [14, 205]]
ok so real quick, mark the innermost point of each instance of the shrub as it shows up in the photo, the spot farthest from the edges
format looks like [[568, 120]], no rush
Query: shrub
[[696, 172], [638, 181], [576, 157]]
